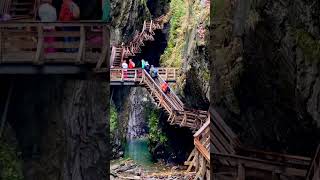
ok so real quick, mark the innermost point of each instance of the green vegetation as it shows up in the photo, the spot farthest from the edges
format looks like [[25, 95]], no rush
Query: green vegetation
[[155, 133], [10, 165], [113, 118], [186, 15], [173, 53], [308, 44]]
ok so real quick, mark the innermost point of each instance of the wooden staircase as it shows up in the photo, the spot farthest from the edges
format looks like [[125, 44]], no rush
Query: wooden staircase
[[117, 55], [23, 9], [134, 46]]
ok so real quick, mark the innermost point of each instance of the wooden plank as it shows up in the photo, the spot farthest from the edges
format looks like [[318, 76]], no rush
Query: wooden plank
[[202, 149], [1, 46], [62, 34], [241, 172], [62, 44], [81, 52], [62, 56], [40, 47], [263, 164]]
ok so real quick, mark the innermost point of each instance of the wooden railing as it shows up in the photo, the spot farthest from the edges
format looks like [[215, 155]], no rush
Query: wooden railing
[[135, 75], [314, 170], [5, 6], [166, 75], [202, 140], [199, 159], [224, 139], [242, 167], [70, 42]]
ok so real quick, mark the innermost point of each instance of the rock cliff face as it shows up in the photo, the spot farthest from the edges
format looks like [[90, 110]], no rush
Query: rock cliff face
[[265, 72], [60, 126], [127, 16]]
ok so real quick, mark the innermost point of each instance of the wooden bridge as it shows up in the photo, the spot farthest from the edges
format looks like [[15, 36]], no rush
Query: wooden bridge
[[24, 49], [134, 77], [178, 114]]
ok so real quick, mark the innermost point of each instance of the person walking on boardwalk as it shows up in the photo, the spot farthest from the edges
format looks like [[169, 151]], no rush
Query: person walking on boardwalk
[[153, 72], [47, 13], [147, 67], [69, 12], [124, 66], [165, 87], [143, 63], [131, 64]]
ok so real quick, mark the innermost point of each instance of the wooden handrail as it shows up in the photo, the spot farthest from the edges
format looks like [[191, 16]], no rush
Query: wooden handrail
[[314, 168], [263, 165], [26, 43]]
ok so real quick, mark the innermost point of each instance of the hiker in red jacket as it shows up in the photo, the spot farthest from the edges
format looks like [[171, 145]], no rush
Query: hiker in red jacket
[[165, 88], [131, 64], [69, 12]]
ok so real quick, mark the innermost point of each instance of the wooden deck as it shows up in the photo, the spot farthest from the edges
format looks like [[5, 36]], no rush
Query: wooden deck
[[119, 76], [84, 43]]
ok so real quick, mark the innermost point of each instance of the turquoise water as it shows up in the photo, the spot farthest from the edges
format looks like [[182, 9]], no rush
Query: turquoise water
[[137, 150]]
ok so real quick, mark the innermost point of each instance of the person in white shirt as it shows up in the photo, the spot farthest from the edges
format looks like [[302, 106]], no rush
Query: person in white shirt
[[124, 65]]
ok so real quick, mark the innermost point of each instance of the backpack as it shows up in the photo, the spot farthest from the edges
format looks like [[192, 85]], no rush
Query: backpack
[[155, 72]]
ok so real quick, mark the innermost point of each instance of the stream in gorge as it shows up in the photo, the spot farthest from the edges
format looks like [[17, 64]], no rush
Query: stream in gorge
[[136, 147]]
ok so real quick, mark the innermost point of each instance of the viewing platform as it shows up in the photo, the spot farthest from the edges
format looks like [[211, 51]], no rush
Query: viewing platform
[[74, 47], [134, 77]]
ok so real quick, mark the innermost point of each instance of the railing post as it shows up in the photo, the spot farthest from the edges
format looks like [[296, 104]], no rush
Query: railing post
[[1, 40], [82, 49], [122, 74], [40, 48], [105, 48]]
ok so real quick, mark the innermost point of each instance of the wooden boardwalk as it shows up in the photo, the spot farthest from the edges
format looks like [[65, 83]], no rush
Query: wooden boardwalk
[[123, 52], [178, 114], [24, 44], [119, 76]]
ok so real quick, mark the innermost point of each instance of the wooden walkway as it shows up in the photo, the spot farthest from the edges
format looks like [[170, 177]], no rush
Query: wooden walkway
[[24, 43], [119, 76], [123, 52], [196, 120]]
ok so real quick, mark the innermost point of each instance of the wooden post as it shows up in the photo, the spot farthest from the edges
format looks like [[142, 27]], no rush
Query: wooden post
[[82, 49], [122, 74], [5, 111], [105, 48], [241, 172], [39, 52], [1, 44]]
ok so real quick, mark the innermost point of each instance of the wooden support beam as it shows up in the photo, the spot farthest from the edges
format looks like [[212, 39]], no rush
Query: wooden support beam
[[82, 49], [40, 48], [5, 111], [241, 172], [1, 45]]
